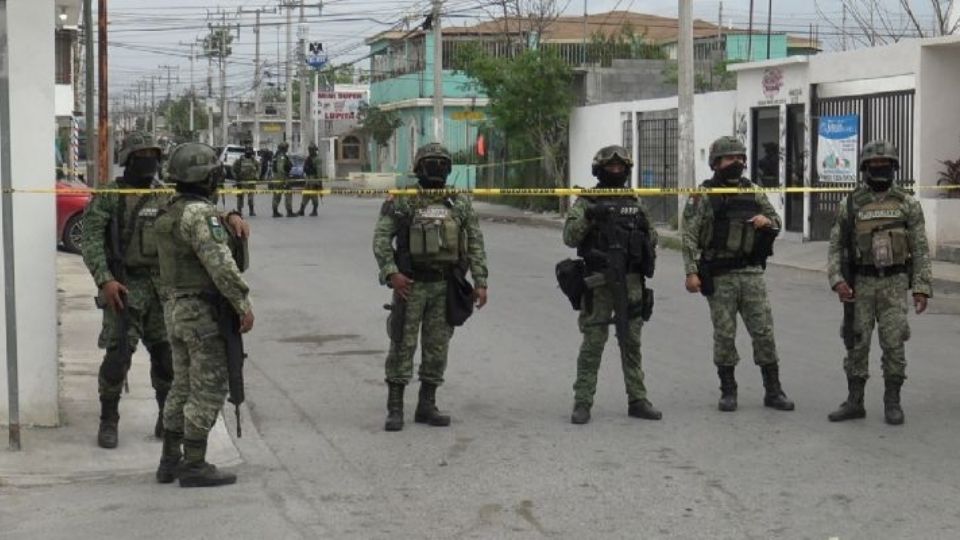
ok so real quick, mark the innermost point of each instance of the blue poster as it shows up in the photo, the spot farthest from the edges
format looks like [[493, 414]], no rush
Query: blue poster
[[838, 142]]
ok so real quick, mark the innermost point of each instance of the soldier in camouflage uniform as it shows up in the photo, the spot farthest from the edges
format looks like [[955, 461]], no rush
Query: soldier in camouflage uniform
[[889, 257], [281, 172], [586, 230], [197, 266], [125, 222], [434, 233], [724, 256], [312, 168], [245, 171]]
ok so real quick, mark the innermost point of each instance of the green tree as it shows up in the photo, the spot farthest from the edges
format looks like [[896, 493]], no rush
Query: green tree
[[530, 101], [626, 43], [178, 118], [378, 124]]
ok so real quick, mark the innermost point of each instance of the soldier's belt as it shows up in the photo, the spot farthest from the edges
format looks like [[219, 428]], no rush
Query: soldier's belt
[[430, 275]]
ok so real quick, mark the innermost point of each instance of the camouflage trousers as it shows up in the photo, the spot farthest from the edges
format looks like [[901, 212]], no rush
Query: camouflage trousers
[[287, 197], [245, 184], [145, 323], [308, 198], [199, 367], [426, 314], [595, 325], [881, 301], [744, 293]]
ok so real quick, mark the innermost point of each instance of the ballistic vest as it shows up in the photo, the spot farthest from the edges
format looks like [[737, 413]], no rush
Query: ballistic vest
[[881, 230], [248, 169], [138, 214], [436, 234], [732, 237], [629, 229], [180, 268]]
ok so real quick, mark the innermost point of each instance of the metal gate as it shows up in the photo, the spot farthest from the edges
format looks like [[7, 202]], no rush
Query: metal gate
[[882, 116], [657, 162]]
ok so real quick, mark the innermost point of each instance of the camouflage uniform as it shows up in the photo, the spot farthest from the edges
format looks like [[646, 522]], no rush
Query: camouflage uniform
[[245, 171], [450, 225], [312, 171], [135, 215], [426, 304], [887, 223], [739, 288], [281, 172], [197, 266]]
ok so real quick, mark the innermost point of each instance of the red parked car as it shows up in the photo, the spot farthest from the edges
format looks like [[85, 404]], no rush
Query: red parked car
[[70, 207]]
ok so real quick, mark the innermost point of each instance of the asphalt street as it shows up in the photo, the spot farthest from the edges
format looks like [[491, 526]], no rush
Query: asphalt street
[[319, 464]]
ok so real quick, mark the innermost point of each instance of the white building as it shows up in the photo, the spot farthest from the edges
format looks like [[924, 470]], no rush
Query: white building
[[905, 92]]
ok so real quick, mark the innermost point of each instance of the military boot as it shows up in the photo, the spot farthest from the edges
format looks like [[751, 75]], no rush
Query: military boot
[[276, 214], [728, 389], [853, 406], [161, 401], [641, 408], [109, 419], [892, 413], [394, 407], [774, 397], [196, 472], [170, 457], [314, 213], [427, 412], [581, 413]]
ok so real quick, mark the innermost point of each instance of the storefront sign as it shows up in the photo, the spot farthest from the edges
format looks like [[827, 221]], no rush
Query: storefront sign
[[772, 82], [839, 137], [339, 105]]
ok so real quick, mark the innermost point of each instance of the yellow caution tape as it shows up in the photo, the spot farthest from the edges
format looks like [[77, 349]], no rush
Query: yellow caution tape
[[479, 192]]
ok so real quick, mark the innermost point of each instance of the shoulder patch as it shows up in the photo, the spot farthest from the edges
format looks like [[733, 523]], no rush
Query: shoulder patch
[[216, 229]]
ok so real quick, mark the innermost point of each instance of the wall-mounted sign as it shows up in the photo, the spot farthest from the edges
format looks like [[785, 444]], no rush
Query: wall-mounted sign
[[317, 58], [772, 82], [467, 115], [837, 142], [339, 105]]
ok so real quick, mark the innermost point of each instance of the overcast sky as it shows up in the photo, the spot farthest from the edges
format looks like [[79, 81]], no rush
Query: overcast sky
[[147, 34]]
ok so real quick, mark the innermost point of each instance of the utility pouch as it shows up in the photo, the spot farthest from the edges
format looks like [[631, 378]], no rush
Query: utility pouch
[[882, 249], [570, 277], [459, 305], [594, 281]]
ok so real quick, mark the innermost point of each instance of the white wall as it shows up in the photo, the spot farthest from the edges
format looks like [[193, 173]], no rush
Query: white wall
[[868, 63], [596, 126], [63, 100], [938, 123], [31, 72]]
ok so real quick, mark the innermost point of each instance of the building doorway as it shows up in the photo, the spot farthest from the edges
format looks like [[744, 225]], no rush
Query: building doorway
[[794, 156]]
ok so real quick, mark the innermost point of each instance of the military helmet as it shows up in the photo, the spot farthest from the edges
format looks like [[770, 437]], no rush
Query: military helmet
[[135, 141], [283, 146], [726, 146], [247, 140], [313, 146], [879, 149], [608, 154], [191, 163], [431, 150]]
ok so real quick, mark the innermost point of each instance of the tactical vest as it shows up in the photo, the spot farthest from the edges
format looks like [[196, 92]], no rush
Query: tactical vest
[[248, 169], [138, 214], [280, 166], [881, 231], [180, 268], [630, 231], [436, 234], [732, 237]]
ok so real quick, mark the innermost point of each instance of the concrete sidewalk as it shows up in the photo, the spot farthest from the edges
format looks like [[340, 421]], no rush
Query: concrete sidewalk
[[810, 256], [69, 452]]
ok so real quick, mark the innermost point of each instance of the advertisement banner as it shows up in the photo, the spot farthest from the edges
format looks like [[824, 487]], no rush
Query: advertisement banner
[[838, 142], [340, 104]]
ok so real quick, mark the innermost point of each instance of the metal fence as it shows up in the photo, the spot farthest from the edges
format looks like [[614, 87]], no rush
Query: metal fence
[[886, 116], [657, 163]]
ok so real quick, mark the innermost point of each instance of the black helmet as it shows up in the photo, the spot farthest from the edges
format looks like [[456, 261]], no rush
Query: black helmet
[[609, 154]]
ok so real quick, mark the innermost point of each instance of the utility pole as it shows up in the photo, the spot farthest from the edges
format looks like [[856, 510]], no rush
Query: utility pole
[[843, 29], [718, 49], [223, 79], [103, 132], [153, 106], [686, 168], [89, 91], [437, 73], [302, 71], [750, 35], [257, 75], [769, 25], [288, 134], [583, 52]]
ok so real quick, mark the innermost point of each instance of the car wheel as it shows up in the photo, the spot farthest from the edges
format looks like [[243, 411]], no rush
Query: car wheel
[[73, 233]]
